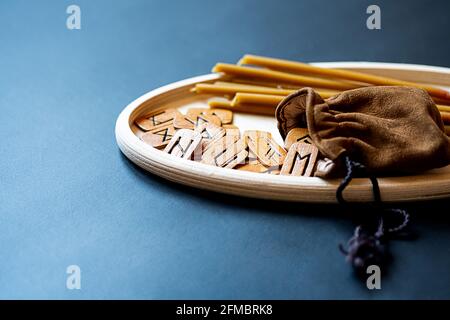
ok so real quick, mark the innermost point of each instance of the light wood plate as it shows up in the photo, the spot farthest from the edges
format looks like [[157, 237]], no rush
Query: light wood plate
[[430, 185]]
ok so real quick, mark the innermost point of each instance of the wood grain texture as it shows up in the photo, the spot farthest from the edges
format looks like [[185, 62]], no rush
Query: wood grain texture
[[300, 160], [434, 184], [297, 135]]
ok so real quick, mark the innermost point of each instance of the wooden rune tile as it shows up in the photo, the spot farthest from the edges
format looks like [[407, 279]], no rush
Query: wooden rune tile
[[300, 160], [160, 137], [157, 119], [232, 131], [252, 159], [225, 116], [227, 152], [193, 121], [210, 133], [268, 152], [184, 143], [297, 135]]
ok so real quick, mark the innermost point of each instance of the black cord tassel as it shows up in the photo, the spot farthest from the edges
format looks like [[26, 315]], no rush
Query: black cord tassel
[[368, 246], [363, 250]]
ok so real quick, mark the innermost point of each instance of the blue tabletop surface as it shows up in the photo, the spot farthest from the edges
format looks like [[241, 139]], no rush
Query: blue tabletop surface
[[68, 196]]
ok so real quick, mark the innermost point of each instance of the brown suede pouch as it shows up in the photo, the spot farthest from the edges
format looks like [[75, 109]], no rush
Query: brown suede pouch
[[390, 130]]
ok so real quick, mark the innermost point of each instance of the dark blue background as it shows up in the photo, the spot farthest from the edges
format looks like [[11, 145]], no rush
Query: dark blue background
[[68, 196]]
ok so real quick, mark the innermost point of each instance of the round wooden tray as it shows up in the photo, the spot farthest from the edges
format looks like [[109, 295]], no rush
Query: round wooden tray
[[432, 184]]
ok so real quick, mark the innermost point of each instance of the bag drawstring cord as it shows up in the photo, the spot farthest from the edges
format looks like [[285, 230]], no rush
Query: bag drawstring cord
[[368, 248]]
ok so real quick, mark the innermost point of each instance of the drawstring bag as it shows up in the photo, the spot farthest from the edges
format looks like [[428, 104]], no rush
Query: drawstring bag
[[370, 132]]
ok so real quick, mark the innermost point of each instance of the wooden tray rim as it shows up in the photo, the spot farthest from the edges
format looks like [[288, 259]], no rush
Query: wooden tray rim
[[255, 185]]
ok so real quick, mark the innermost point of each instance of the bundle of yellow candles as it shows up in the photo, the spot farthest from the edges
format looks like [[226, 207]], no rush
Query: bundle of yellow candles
[[257, 84]]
